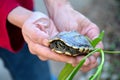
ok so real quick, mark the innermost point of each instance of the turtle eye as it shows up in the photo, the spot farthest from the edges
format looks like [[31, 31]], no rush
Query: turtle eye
[[60, 44]]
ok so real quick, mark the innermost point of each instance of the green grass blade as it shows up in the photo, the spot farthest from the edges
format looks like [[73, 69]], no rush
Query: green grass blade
[[65, 71], [75, 70], [65, 74], [100, 67], [98, 39], [68, 72], [112, 52]]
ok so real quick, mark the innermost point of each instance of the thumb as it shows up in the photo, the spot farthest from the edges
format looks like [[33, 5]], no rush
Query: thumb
[[34, 28], [36, 35], [40, 36], [43, 38]]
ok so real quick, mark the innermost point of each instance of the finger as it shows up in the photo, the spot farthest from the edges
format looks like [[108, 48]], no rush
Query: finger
[[87, 27], [79, 58], [92, 59], [30, 46], [46, 25], [42, 58], [47, 53], [100, 45], [88, 68], [52, 31], [92, 31]]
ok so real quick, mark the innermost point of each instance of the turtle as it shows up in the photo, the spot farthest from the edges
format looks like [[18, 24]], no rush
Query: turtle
[[70, 43]]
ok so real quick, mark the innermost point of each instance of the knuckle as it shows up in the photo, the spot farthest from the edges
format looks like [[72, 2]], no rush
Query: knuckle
[[100, 45], [74, 26], [31, 51], [94, 65], [43, 58], [97, 54], [96, 27], [85, 69]]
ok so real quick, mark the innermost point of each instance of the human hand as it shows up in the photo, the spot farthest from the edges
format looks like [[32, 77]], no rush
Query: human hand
[[66, 19], [36, 31]]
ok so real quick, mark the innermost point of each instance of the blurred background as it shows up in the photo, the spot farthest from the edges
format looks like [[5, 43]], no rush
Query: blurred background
[[104, 13]]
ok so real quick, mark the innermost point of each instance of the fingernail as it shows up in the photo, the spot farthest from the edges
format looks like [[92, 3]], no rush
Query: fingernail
[[74, 65], [44, 22], [45, 42], [72, 61], [86, 62]]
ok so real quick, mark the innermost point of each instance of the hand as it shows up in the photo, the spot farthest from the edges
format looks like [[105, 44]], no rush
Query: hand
[[66, 19], [36, 31]]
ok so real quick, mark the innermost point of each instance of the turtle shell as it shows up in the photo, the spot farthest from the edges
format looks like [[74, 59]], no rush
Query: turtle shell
[[70, 43]]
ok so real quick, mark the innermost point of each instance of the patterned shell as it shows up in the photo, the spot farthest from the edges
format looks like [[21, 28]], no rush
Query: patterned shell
[[70, 43]]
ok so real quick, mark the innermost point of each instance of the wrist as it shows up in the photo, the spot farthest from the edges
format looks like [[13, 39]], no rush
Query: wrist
[[38, 17], [55, 2], [54, 5], [18, 16]]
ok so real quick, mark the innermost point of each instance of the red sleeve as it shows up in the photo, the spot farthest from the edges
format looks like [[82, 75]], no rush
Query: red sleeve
[[10, 36]]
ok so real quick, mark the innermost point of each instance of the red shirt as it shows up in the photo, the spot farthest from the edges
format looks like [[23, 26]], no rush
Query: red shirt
[[10, 35]]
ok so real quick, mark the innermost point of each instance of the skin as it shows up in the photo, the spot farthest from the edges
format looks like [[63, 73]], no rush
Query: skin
[[36, 35], [66, 19], [37, 30]]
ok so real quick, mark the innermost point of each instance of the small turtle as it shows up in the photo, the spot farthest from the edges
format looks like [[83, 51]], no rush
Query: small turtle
[[70, 43]]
